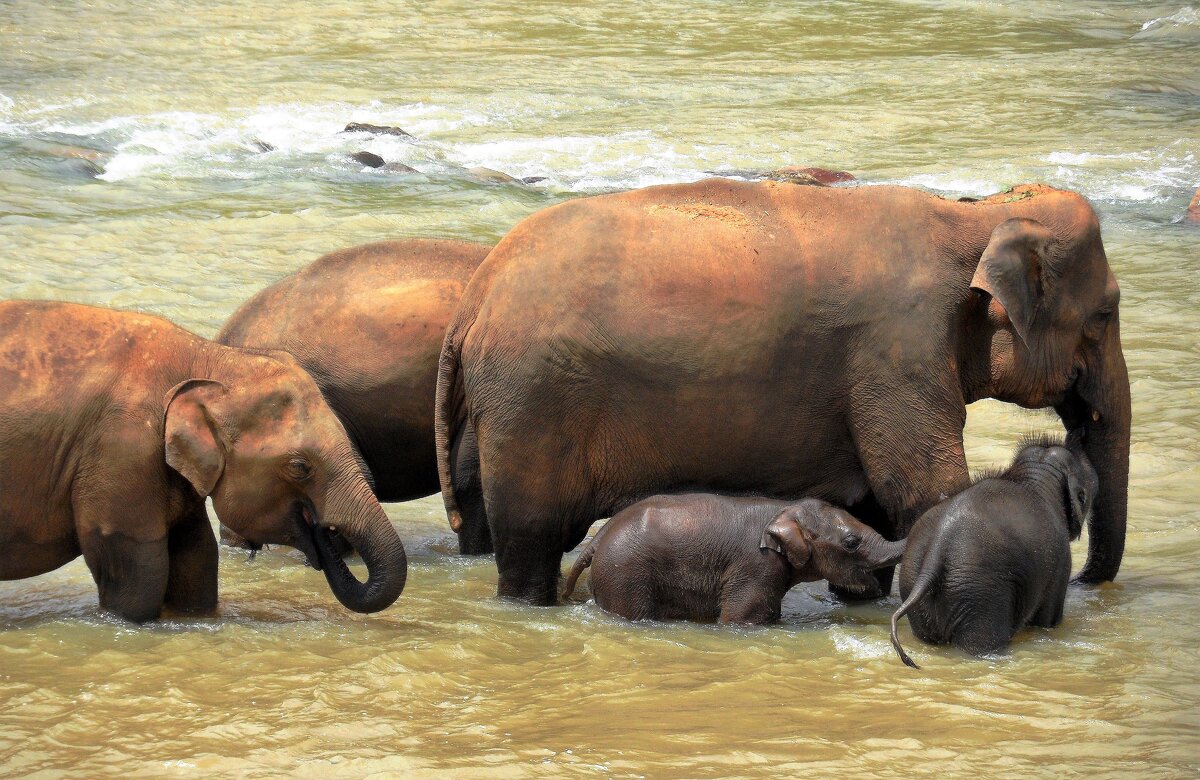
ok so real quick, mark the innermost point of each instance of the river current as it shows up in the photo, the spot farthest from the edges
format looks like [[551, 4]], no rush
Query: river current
[[175, 157]]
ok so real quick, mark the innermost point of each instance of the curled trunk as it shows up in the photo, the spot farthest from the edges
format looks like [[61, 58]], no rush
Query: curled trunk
[[351, 508]]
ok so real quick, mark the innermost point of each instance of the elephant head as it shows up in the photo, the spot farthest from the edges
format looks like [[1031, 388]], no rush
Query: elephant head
[[1077, 481], [1054, 340], [258, 437], [821, 541]]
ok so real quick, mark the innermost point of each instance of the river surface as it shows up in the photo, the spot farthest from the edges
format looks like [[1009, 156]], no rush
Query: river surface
[[175, 157]]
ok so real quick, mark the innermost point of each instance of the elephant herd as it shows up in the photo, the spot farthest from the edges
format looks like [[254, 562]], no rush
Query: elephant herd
[[763, 339]]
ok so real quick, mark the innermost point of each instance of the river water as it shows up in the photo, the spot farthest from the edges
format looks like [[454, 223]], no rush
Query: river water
[[177, 210]]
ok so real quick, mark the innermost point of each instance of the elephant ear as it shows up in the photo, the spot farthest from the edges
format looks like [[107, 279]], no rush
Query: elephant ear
[[785, 537], [193, 441], [1077, 495], [1011, 270]]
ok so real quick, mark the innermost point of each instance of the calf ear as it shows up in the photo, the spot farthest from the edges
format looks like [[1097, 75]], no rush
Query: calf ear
[[1010, 270], [192, 438], [1077, 498], [785, 536]]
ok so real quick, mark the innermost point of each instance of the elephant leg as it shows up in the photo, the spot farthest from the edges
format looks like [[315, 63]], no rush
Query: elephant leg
[[131, 575], [529, 564], [1050, 613], [192, 579], [911, 450], [749, 606], [984, 624], [474, 535]]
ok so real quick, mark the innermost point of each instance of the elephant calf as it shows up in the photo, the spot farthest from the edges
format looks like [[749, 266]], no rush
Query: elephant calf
[[997, 556], [705, 557]]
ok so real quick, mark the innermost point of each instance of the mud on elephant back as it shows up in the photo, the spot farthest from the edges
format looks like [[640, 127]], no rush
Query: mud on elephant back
[[768, 339]]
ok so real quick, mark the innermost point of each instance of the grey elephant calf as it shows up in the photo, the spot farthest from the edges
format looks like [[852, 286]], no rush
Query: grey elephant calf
[[705, 557], [997, 556]]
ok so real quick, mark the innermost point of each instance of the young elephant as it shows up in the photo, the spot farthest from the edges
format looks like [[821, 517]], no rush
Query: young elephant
[[997, 556], [115, 427], [705, 557]]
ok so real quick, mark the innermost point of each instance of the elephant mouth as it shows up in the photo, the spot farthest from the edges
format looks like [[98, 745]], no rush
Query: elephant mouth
[[307, 529], [860, 582]]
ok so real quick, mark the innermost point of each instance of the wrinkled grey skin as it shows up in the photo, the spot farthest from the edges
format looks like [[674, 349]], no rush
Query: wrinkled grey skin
[[997, 556], [704, 557]]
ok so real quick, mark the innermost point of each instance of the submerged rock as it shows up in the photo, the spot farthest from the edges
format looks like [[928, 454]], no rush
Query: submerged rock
[[363, 127], [492, 176], [532, 179], [261, 145], [399, 167], [74, 160], [1192, 215], [368, 159]]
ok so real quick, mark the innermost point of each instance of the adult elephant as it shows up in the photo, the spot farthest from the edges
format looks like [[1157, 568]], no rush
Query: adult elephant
[[114, 429], [773, 339], [368, 323]]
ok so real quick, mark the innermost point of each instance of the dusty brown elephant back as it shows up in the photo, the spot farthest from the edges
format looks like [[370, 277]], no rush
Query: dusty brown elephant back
[[367, 323], [776, 340]]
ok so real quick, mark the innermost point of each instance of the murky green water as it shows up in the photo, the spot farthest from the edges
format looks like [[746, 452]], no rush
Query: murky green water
[[188, 217]]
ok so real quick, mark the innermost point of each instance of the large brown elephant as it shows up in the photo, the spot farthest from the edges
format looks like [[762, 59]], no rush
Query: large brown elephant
[[368, 323], [778, 340], [115, 427]]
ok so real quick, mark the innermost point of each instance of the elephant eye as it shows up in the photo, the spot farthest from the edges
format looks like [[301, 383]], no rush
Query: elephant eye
[[299, 469], [851, 542]]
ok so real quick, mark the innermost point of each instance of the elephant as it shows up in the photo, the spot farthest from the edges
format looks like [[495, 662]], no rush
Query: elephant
[[705, 557], [997, 556], [116, 426], [686, 337], [367, 323]]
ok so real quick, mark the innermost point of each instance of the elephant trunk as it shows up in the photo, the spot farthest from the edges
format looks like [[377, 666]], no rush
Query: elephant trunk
[[1098, 418], [352, 509], [887, 553]]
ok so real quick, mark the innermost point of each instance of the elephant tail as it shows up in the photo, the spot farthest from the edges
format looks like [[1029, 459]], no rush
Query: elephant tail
[[582, 562], [447, 412], [920, 588]]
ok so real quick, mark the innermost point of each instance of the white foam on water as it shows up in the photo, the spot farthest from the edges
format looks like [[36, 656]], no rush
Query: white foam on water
[[858, 648], [949, 183], [1183, 18]]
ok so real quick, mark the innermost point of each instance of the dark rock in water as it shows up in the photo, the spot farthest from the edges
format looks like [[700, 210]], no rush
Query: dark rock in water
[[83, 168], [261, 145], [368, 159], [399, 167], [532, 179], [363, 127], [492, 176], [1193, 210]]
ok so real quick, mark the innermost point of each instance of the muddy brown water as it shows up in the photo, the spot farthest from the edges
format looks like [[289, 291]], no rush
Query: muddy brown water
[[132, 174]]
